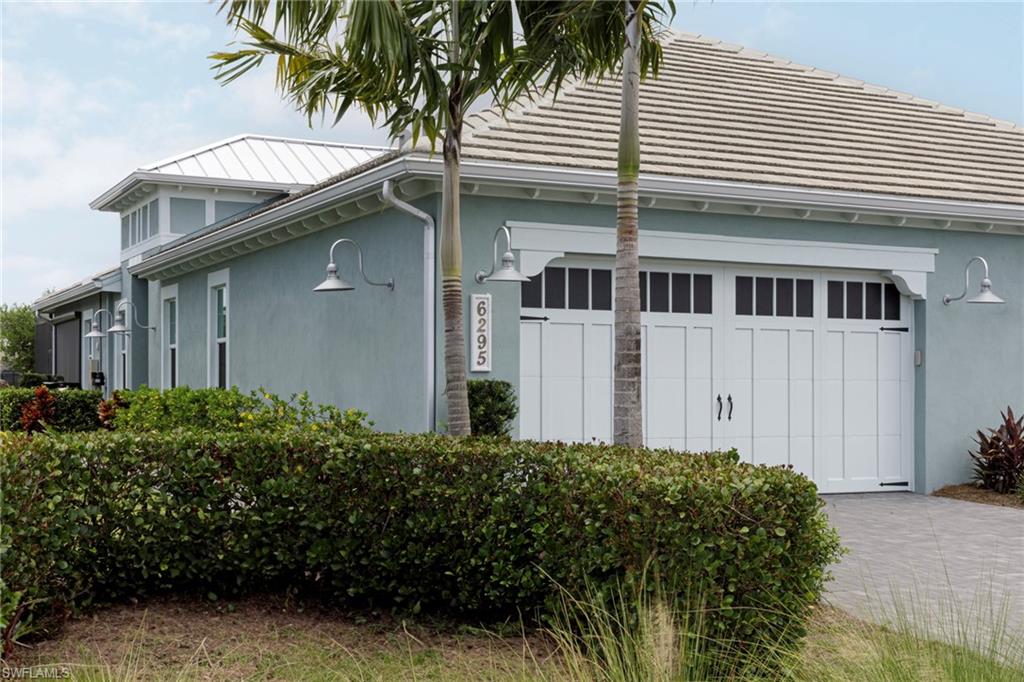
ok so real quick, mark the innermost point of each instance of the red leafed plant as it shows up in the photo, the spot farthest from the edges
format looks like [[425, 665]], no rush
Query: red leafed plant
[[38, 412], [108, 408], [999, 459]]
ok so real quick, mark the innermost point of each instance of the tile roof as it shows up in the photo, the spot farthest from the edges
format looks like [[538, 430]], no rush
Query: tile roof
[[261, 158], [722, 112]]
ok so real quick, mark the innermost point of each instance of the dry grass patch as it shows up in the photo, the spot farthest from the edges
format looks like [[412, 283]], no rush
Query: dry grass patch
[[972, 493], [271, 639]]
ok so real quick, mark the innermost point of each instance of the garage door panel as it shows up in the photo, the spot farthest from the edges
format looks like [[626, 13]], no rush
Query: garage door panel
[[531, 405], [835, 344], [832, 416], [600, 354], [833, 447], [563, 350], [861, 457], [666, 351], [699, 409], [860, 402], [889, 460], [771, 450], [861, 356], [801, 354], [740, 354], [771, 354], [889, 356], [801, 408], [563, 414], [889, 413], [801, 455], [666, 408], [699, 355], [598, 401], [770, 407]]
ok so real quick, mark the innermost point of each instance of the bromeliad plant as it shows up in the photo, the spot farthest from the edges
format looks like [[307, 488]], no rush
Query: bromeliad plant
[[999, 459]]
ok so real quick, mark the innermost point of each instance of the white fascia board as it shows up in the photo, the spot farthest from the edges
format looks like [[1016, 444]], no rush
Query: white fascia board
[[726, 191], [107, 282], [272, 218], [105, 201]]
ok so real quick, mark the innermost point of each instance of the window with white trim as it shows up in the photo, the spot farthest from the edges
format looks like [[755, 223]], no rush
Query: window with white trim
[[171, 352], [218, 331]]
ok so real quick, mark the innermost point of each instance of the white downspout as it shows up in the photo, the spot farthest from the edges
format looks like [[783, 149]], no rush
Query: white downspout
[[429, 280]]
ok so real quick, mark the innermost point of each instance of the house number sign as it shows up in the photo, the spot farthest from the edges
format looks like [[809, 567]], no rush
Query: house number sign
[[481, 334]]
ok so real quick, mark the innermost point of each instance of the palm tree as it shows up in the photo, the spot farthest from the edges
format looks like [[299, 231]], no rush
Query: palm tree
[[627, 404], [419, 65]]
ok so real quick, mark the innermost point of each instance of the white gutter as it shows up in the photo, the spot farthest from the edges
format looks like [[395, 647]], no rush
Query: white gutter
[[429, 303], [526, 175]]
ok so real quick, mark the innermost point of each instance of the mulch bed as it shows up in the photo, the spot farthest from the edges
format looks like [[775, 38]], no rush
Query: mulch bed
[[972, 493]]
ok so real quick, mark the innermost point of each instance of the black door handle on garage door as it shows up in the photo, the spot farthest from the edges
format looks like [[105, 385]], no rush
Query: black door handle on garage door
[[719, 399], [730, 406]]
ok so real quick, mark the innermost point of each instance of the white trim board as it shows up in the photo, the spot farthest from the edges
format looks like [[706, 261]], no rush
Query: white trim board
[[214, 280], [908, 267]]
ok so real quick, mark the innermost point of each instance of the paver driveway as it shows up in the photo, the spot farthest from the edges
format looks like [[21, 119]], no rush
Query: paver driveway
[[946, 557]]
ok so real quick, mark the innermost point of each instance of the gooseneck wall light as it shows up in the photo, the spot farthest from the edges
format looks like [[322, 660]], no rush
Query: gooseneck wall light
[[985, 295], [507, 272], [120, 327], [94, 331], [336, 283]]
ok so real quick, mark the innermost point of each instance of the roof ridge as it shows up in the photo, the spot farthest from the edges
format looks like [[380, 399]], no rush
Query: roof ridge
[[255, 136], [840, 79]]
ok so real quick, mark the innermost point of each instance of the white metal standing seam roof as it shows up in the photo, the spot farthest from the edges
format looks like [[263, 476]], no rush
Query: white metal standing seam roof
[[261, 158], [722, 112]]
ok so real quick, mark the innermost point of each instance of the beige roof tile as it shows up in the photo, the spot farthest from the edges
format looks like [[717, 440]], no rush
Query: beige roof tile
[[720, 111]]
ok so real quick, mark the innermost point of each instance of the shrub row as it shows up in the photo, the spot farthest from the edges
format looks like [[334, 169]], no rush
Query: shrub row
[[478, 527], [219, 410], [74, 409]]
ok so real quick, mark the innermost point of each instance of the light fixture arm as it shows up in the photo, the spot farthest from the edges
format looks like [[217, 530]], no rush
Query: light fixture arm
[[135, 313], [480, 275], [389, 283], [947, 299], [95, 315]]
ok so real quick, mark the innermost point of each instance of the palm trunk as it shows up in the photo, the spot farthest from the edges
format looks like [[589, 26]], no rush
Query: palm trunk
[[451, 283], [627, 409], [451, 254]]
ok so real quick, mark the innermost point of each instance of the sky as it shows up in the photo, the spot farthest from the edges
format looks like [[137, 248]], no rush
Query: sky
[[91, 91]]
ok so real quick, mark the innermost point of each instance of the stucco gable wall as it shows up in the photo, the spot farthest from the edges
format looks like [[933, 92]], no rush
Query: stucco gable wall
[[972, 354], [360, 349]]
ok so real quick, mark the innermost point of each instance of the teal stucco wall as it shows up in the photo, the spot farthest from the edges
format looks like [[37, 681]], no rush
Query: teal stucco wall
[[360, 349], [973, 354]]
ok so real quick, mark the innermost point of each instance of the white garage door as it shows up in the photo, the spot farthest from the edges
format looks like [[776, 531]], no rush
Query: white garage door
[[803, 368]]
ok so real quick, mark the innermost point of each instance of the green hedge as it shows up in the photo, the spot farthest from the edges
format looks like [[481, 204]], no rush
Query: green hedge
[[76, 409], [220, 410], [477, 527], [492, 406]]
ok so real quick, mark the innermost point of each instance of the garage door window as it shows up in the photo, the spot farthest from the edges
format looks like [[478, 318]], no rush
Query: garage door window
[[563, 288], [573, 288], [853, 300], [774, 296]]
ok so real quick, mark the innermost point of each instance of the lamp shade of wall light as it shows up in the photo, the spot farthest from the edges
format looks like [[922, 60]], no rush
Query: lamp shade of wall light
[[507, 272], [985, 295], [334, 282], [95, 332], [120, 327], [94, 329]]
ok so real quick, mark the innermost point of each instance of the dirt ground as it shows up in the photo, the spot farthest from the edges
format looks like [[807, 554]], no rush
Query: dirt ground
[[274, 639], [972, 493]]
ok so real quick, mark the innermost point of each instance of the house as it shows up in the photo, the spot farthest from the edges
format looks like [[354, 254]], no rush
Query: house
[[799, 233]]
